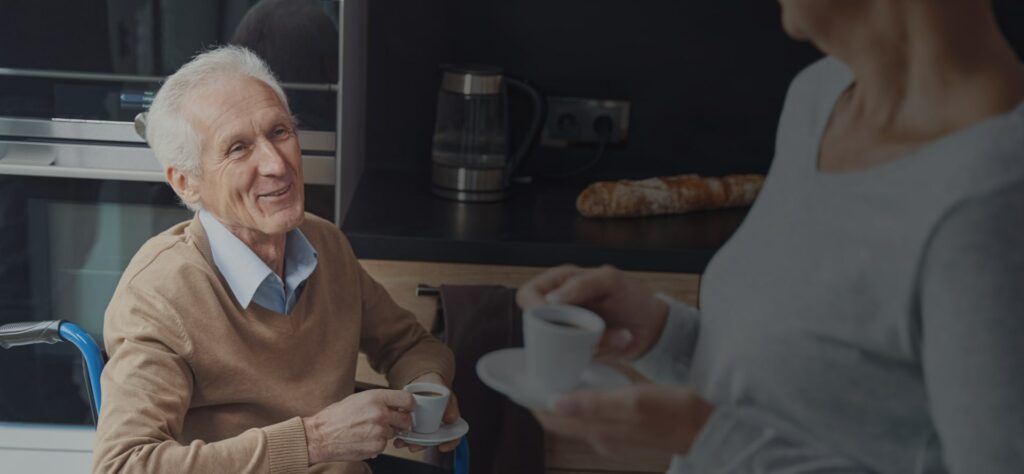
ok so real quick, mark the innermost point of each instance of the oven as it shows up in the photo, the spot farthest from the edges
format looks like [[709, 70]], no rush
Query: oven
[[79, 189]]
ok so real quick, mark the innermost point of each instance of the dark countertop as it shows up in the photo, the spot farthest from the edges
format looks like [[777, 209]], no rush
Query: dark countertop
[[394, 216]]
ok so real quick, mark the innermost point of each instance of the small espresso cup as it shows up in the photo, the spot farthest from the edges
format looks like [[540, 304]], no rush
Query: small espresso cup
[[559, 341], [431, 401]]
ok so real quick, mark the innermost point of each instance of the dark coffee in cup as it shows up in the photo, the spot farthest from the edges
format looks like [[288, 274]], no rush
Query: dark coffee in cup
[[564, 324], [427, 394]]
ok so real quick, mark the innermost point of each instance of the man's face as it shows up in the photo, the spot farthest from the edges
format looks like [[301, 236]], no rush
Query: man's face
[[251, 162]]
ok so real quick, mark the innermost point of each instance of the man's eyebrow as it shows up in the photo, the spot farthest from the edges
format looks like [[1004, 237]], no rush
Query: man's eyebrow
[[230, 137], [283, 119]]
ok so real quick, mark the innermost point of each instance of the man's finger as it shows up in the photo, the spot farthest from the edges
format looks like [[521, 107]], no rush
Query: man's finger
[[398, 420], [413, 448], [398, 399], [449, 446]]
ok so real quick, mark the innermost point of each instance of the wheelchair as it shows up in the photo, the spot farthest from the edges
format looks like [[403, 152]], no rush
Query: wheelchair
[[50, 332]]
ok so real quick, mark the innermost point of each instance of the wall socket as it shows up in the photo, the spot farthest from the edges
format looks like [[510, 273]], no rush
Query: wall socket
[[574, 120]]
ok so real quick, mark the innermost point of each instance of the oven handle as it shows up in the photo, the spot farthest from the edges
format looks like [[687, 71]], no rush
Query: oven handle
[[310, 163], [80, 173], [112, 162], [105, 77], [85, 130]]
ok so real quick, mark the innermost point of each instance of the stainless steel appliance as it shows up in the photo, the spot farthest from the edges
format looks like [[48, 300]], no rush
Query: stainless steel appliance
[[471, 157]]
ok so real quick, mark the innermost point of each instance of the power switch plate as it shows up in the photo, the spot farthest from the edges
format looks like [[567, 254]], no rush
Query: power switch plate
[[574, 120]]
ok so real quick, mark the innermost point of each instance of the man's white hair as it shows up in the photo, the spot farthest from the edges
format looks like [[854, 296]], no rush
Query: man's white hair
[[172, 137]]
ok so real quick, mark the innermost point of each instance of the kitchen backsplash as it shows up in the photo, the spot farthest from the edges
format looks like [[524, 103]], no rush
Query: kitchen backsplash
[[706, 79]]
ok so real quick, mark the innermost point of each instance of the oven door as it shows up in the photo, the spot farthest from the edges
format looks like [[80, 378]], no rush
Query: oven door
[[104, 59], [72, 215]]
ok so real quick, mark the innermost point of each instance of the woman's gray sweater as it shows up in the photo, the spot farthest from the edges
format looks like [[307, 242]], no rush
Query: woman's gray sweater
[[866, 321]]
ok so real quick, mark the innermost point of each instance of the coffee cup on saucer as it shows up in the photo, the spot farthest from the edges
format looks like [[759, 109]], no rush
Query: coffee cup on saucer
[[559, 341], [431, 401]]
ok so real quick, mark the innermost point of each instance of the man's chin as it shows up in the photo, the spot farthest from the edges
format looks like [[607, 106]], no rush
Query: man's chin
[[283, 221]]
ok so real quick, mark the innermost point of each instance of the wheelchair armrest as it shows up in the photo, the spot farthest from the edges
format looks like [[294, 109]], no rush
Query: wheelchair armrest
[[21, 334]]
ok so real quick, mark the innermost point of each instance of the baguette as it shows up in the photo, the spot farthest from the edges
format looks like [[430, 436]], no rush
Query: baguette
[[667, 195]]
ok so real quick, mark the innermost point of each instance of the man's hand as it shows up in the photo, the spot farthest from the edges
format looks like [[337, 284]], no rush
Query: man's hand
[[451, 415], [634, 318], [639, 418], [359, 426]]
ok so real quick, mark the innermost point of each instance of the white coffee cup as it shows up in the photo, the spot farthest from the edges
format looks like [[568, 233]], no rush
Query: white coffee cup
[[559, 341], [431, 401]]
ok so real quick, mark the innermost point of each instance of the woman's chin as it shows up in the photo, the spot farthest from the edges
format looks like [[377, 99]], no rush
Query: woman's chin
[[793, 29]]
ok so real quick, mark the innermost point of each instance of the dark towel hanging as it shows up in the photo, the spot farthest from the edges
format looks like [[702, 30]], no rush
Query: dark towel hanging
[[474, 320]]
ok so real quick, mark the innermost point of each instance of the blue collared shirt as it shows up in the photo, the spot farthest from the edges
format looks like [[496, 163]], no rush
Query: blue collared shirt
[[249, 277]]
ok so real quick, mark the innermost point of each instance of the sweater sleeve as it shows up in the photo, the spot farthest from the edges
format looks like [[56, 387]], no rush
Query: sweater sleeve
[[670, 359], [147, 389], [972, 330], [395, 343]]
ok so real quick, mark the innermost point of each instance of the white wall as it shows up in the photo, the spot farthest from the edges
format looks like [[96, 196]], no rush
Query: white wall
[[45, 448]]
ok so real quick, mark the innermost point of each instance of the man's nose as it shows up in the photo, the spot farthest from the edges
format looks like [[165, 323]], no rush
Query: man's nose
[[271, 161]]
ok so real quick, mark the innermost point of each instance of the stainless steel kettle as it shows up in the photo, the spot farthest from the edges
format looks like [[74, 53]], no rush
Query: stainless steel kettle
[[471, 157]]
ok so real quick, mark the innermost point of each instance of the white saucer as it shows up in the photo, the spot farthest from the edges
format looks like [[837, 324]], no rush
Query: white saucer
[[505, 371], [444, 434]]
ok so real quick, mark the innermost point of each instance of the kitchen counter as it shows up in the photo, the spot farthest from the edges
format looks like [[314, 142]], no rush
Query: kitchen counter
[[394, 216]]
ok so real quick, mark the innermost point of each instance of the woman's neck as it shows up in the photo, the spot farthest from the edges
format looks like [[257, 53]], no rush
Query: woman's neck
[[926, 68]]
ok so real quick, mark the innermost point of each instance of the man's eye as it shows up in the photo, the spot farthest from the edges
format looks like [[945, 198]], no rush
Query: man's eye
[[280, 132], [236, 148]]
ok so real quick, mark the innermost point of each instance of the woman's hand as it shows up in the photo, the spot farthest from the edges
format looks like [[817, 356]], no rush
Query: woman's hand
[[634, 318], [640, 418]]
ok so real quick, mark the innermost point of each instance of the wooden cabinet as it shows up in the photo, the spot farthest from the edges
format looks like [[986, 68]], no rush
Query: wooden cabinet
[[563, 456]]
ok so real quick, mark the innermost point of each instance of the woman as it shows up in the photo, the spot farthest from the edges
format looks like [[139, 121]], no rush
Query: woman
[[866, 317]]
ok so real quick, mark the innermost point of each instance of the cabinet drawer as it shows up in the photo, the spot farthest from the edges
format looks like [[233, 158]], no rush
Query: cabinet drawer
[[401, 278]]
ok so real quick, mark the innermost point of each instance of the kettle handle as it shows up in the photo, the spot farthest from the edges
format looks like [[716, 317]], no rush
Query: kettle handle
[[536, 122]]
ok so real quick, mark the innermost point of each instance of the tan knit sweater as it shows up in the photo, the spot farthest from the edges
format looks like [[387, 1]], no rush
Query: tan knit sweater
[[197, 384]]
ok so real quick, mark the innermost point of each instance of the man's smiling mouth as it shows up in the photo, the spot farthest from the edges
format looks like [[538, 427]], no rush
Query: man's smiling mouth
[[279, 192]]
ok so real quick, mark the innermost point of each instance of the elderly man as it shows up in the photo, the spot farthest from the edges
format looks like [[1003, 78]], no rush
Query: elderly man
[[233, 337]]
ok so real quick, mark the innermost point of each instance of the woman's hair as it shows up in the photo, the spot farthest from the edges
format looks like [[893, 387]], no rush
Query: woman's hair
[[173, 139]]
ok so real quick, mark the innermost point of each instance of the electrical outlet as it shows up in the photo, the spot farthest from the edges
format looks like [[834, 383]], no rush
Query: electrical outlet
[[573, 120]]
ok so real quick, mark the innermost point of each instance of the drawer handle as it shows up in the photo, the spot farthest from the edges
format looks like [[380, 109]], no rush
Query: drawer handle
[[427, 290]]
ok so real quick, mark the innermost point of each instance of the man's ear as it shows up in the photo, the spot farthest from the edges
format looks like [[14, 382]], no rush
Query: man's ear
[[184, 185]]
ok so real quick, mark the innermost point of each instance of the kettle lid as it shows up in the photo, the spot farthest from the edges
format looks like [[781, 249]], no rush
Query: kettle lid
[[471, 79]]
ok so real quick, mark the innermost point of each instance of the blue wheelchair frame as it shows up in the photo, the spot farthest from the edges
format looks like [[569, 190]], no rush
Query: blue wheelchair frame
[[50, 332]]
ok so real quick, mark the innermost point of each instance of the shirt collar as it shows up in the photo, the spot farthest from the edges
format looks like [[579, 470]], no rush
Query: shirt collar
[[299, 259], [244, 271]]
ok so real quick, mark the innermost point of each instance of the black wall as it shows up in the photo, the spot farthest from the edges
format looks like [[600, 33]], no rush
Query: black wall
[[706, 78]]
